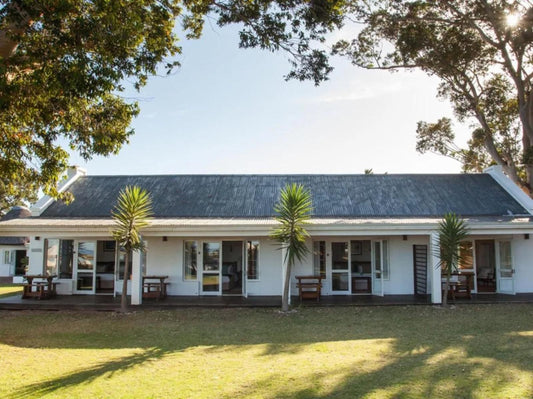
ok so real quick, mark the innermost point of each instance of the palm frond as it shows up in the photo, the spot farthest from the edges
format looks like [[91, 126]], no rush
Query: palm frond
[[293, 212], [131, 214]]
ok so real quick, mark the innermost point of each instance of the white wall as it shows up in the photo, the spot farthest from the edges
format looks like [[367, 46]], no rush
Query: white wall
[[401, 281], [522, 255]]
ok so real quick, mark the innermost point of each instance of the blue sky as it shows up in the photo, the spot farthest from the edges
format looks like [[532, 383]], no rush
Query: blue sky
[[229, 110]]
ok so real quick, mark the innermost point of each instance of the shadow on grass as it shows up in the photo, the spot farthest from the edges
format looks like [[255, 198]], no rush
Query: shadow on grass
[[87, 375], [475, 351]]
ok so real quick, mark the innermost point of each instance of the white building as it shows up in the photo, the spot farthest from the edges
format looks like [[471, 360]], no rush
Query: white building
[[370, 234]]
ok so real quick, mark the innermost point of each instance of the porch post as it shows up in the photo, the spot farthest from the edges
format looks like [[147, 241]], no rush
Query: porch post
[[434, 259], [136, 278]]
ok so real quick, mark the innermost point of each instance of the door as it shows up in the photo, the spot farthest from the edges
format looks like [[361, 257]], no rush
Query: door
[[211, 268], [420, 264], [340, 272], [485, 266], [377, 269], [84, 267], [505, 271]]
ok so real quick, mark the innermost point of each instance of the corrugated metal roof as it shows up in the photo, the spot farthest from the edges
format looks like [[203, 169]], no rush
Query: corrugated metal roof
[[334, 196]]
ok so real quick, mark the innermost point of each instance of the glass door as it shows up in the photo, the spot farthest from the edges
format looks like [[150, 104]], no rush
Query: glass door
[[340, 271], [211, 268], [377, 269], [505, 268], [85, 267]]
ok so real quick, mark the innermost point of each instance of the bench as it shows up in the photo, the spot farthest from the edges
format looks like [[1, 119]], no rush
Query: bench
[[155, 289], [39, 289], [309, 287]]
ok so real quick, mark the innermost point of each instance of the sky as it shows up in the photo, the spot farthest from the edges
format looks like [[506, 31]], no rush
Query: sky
[[229, 111]]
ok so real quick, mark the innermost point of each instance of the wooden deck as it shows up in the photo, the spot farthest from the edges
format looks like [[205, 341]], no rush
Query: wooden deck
[[108, 303]]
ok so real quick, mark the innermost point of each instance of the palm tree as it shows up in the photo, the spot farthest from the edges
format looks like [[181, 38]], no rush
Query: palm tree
[[131, 213], [452, 231], [294, 210]]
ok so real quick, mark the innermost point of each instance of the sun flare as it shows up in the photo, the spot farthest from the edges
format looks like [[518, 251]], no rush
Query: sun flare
[[512, 19]]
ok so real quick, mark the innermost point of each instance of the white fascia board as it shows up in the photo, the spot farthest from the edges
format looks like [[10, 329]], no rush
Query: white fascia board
[[496, 172], [44, 202], [103, 227]]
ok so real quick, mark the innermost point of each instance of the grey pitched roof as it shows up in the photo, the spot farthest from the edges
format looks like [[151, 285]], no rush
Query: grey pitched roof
[[17, 212], [254, 196]]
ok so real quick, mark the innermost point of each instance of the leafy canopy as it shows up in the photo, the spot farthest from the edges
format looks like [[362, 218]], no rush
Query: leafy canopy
[[63, 64], [484, 63]]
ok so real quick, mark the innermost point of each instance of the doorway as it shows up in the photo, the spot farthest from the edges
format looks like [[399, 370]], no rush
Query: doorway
[[223, 268], [94, 267], [232, 267], [485, 266]]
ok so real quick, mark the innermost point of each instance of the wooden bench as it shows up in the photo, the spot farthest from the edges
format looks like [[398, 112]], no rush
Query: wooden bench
[[309, 287], [39, 289], [155, 289], [460, 286]]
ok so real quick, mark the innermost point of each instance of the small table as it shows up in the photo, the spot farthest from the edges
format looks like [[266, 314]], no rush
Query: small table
[[461, 286], [39, 289], [309, 287], [155, 289]]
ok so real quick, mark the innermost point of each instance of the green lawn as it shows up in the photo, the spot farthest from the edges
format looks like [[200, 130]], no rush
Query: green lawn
[[9, 289], [481, 351]]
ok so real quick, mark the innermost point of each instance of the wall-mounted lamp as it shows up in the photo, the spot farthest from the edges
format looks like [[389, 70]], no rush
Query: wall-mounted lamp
[[165, 238], [526, 236], [37, 238], [404, 237]]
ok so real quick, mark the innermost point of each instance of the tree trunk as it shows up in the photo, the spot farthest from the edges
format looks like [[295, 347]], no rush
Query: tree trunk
[[446, 288], [7, 45], [124, 297], [286, 285]]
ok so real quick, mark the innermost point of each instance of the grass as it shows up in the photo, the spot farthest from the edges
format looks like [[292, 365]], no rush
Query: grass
[[9, 290], [483, 351]]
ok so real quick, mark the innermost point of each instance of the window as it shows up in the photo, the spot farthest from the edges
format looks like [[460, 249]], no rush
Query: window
[[7, 257], [58, 257], [190, 251], [466, 256], [385, 264], [506, 263], [66, 252], [51, 251], [319, 258], [252, 254], [381, 259], [122, 262]]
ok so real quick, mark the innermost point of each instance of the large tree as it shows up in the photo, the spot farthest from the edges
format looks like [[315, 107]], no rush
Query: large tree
[[63, 64], [482, 52]]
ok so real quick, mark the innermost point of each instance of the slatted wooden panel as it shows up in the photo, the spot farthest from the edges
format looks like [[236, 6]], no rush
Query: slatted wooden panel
[[420, 260]]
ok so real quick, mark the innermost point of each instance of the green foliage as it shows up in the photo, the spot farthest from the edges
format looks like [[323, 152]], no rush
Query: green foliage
[[62, 66], [452, 231], [485, 66], [131, 214], [293, 213]]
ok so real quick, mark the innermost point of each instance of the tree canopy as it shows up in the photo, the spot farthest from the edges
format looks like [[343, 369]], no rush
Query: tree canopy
[[63, 64], [482, 52]]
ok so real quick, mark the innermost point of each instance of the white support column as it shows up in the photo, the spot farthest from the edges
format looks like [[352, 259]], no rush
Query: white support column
[[434, 259], [136, 278]]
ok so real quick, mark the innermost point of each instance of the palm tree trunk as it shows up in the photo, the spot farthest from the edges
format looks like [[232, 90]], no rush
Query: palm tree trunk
[[124, 297], [286, 285], [446, 288]]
